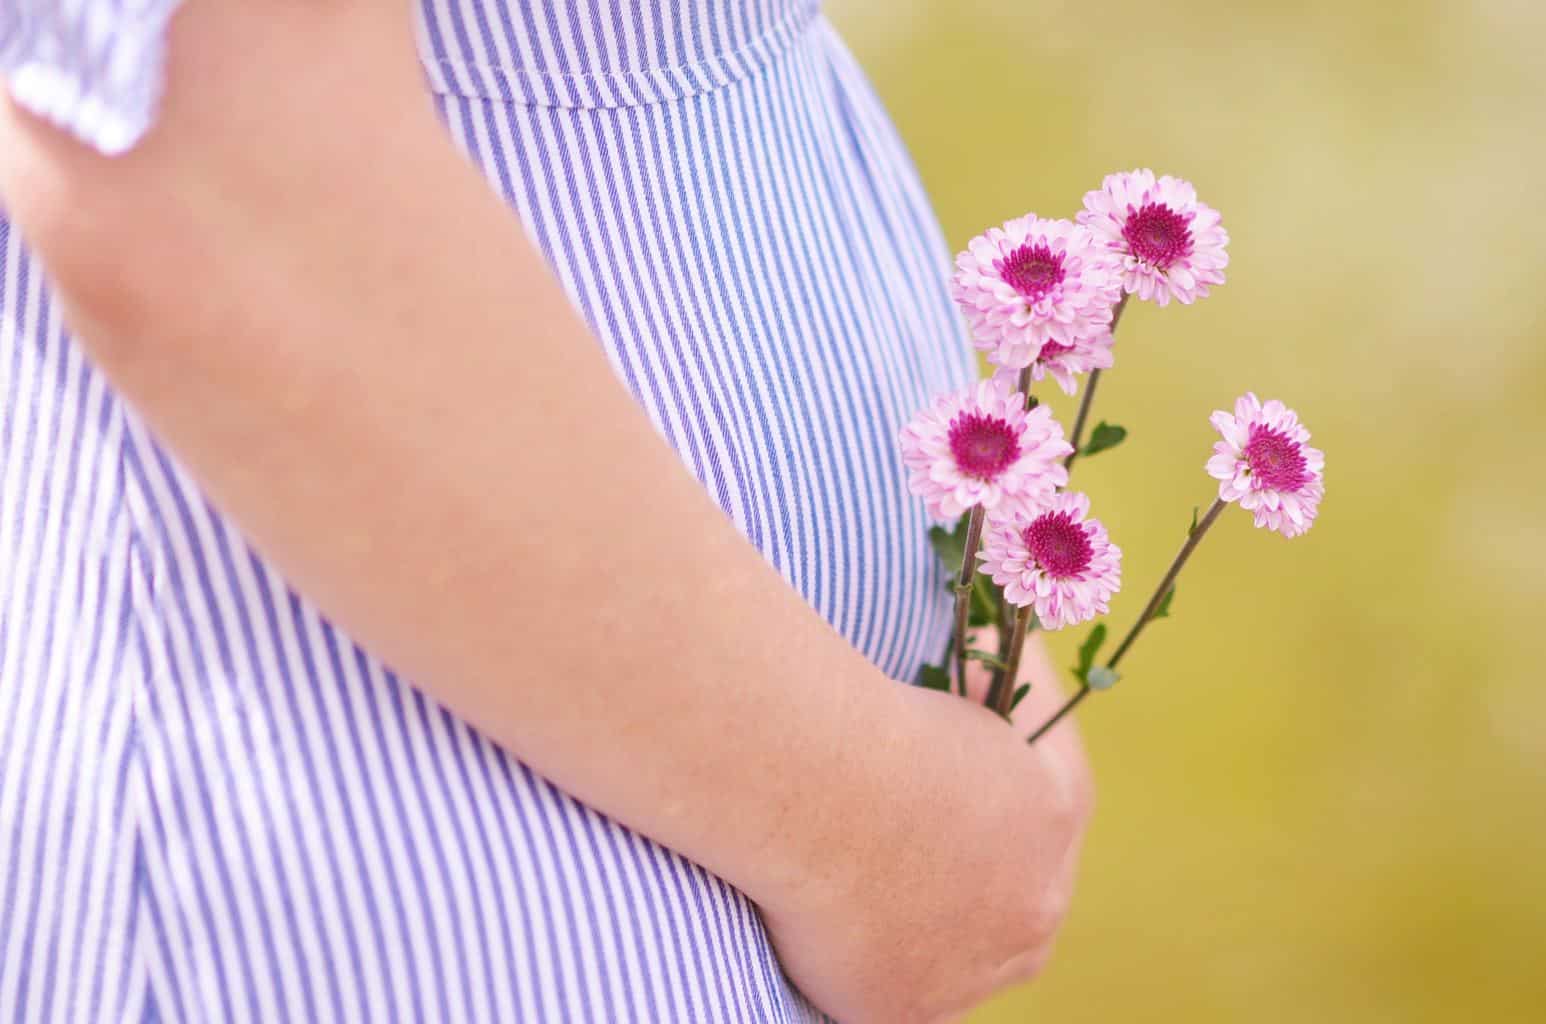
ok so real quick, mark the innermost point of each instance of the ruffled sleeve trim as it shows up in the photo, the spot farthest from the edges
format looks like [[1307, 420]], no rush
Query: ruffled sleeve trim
[[92, 67]]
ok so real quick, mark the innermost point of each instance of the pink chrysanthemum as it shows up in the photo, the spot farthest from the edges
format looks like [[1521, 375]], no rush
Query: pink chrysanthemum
[[1169, 244], [1063, 362], [1266, 464], [1054, 558], [1031, 282], [979, 446]]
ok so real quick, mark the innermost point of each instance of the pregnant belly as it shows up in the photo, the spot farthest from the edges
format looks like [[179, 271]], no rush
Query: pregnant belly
[[288, 830], [766, 275]]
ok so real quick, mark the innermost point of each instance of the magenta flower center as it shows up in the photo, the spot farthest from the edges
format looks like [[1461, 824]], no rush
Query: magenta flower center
[[983, 446], [1276, 460], [1033, 270], [1059, 546], [1053, 349], [1158, 235]]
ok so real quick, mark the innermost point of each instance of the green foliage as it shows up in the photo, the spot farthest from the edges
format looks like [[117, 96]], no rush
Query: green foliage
[[1104, 437], [1088, 650], [932, 677], [1024, 689], [991, 660], [986, 601], [950, 545], [1193, 528], [1163, 611]]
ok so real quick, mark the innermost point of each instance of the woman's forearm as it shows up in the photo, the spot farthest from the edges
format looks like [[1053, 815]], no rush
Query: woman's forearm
[[383, 385]]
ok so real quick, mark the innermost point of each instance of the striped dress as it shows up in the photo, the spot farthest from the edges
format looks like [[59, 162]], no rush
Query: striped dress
[[213, 804]]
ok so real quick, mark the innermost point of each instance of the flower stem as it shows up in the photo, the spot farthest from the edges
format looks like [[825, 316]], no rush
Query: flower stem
[[1069, 705], [1166, 582], [1002, 699], [1006, 632], [1006, 611], [1085, 401], [964, 584], [1088, 398]]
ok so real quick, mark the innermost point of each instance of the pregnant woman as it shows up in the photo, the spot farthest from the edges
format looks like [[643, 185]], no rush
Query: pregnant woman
[[454, 559]]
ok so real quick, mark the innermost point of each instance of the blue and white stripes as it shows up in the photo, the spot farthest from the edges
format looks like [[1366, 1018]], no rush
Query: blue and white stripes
[[213, 805]]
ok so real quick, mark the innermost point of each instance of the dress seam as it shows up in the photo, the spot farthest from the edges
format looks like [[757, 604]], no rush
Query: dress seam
[[140, 581], [540, 87], [137, 511]]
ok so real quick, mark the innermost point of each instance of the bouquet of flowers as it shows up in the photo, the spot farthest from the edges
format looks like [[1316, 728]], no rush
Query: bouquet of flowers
[[1043, 298]]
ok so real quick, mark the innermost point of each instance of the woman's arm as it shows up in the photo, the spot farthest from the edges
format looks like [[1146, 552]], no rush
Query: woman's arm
[[348, 339]]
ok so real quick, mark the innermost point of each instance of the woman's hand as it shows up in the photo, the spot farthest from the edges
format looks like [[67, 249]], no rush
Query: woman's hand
[[969, 899]]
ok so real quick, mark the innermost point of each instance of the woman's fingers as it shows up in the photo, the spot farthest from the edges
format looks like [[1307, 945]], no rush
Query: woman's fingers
[[1061, 749]]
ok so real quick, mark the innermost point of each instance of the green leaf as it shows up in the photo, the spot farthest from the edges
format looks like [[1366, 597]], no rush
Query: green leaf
[[985, 601], [932, 677], [1193, 528], [1163, 611], [989, 659], [1105, 436], [1088, 650], [950, 545], [1024, 689], [1102, 678]]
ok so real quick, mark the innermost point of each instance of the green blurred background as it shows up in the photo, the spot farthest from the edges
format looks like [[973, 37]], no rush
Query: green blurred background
[[1323, 784]]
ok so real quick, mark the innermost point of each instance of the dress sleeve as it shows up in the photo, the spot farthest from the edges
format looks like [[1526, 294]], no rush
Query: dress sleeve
[[93, 67]]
